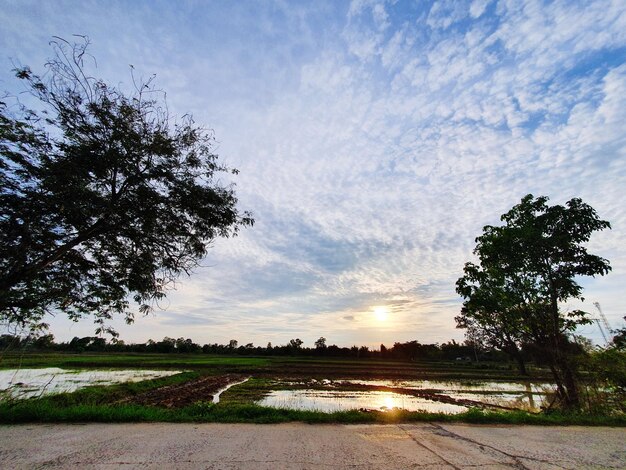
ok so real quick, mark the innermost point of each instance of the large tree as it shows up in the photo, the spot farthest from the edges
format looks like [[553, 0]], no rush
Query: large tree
[[103, 198], [526, 268]]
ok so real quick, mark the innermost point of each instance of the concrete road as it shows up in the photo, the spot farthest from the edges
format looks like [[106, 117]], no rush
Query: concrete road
[[300, 446]]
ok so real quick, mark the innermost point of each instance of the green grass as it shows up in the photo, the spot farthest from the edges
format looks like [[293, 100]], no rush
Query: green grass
[[101, 403], [89, 360], [47, 411], [97, 404], [248, 392], [313, 366]]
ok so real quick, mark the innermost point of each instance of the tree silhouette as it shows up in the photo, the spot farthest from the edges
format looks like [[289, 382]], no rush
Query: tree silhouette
[[103, 198], [526, 267]]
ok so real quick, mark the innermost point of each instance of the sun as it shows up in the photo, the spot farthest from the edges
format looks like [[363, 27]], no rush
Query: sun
[[381, 313]]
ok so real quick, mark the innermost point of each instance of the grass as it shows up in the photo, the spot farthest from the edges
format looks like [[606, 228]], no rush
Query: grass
[[248, 392], [284, 366], [41, 410], [102, 403], [89, 360]]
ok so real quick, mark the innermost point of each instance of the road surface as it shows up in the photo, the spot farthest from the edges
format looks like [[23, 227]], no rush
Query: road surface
[[301, 446]]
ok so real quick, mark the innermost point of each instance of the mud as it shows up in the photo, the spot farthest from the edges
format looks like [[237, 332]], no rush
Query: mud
[[179, 395]]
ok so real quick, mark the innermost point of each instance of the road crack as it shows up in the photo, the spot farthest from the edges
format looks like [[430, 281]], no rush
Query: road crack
[[516, 458], [427, 448]]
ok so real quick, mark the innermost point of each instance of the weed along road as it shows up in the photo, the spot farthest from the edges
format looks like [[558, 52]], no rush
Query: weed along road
[[301, 446]]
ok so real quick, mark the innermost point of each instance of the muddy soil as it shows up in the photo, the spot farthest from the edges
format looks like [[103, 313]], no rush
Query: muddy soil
[[179, 395]]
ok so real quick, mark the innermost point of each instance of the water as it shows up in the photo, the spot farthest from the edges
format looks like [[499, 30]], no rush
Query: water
[[338, 400], [518, 401], [529, 396], [29, 383], [458, 386], [216, 397]]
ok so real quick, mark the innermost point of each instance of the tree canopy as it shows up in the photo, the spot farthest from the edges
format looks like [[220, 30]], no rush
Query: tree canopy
[[103, 197], [526, 267]]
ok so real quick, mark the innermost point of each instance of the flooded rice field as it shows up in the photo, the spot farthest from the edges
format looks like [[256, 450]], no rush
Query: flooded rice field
[[30, 383], [435, 396], [460, 385], [339, 400], [411, 395]]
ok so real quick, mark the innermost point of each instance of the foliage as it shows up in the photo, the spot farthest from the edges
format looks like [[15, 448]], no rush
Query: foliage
[[102, 196], [605, 382], [619, 338], [407, 351], [526, 267]]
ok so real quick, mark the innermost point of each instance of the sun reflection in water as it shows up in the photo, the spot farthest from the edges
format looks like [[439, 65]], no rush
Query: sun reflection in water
[[339, 400]]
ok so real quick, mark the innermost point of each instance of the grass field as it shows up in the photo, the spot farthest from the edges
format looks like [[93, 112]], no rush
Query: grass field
[[114, 403], [296, 366], [105, 360]]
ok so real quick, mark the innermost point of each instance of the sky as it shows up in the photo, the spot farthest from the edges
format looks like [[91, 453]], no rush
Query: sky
[[374, 141]]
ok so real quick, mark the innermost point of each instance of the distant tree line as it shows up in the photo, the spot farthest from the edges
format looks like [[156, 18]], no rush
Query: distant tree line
[[407, 351]]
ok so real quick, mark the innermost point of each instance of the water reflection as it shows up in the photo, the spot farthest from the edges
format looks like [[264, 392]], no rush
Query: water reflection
[[527, 402], [529, 396], [338, 400], [29, 383], [460, 385]]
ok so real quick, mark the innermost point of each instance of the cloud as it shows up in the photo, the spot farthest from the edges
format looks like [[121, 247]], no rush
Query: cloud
[[374, 141], [444, 13], [477, 8]]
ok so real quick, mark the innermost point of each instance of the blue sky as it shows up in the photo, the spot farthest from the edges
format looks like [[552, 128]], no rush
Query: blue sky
[[375, 140]]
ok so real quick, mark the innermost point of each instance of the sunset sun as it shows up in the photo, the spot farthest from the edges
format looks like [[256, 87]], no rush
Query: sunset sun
[[381, 313]]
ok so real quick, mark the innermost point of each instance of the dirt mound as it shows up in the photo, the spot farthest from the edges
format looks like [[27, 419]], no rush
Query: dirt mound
[[179, 395]]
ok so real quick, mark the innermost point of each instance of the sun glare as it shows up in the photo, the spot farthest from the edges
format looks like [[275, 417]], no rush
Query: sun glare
[[381, 313]]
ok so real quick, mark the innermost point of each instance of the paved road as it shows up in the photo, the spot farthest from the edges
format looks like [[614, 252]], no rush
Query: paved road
[[300, 446]]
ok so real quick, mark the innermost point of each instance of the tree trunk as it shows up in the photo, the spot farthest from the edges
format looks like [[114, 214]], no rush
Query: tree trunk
[[559, 359], [571, 384], [515, 353], [521, 364], [565, 379], [560, 388]]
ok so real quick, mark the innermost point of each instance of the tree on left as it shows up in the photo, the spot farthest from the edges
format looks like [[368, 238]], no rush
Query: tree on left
[[104, 200]]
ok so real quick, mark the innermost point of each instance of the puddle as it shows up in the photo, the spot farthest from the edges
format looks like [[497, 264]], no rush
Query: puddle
[[216, 397], [29, 383], [337, 400]]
